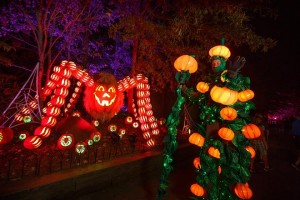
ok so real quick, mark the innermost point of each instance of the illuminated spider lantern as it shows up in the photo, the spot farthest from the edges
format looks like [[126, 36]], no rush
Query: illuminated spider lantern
[[103, 98]]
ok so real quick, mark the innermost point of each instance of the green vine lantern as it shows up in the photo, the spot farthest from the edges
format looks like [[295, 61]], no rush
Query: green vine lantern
[[225, 156]]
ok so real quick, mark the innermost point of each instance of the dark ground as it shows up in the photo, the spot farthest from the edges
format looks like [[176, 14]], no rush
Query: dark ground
[[281, 183]]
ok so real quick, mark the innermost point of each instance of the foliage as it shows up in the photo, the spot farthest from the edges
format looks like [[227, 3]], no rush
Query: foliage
[[163, 30]]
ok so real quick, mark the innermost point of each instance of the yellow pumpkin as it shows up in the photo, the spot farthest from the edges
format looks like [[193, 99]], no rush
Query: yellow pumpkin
[[197, 189], [245, 95], [228, 113], [251, 151], [214, 152], [243, 191], [226, 133], [197, 139], [202, 87], [186, 62], [223, 95], [220, 50], [251, 131]]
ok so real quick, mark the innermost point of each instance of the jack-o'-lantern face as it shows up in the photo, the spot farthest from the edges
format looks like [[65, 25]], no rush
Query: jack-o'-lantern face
[[105, 95], [103, 100]]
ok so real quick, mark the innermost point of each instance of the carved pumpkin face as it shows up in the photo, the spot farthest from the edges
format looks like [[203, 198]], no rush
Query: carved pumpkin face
[[102, 100], [105, 95]]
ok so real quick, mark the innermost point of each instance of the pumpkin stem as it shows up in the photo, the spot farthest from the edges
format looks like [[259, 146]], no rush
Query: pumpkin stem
[[222, 41]]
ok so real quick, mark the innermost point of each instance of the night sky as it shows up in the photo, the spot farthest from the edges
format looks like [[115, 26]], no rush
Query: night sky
[[275, 74]]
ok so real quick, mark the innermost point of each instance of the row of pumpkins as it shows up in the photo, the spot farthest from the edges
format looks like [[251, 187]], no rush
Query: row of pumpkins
[[224, 95]]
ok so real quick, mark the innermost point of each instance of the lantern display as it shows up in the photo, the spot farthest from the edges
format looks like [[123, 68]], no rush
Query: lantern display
[[223, 95], [186, 63], [226, 133], [245, 95], [23, 135], [18, 117], [155, 131], [32, 142], [49, 121], [80, 147], [52, 111], [96, 123], [214, 152], [64, 82], [112, 128], [196, 162], [251, 131], [146, 135], [6, 135], [143, 119], [202, 87], [122, 131], [197, 190], [96, 136], [197, 139], [89, 142], [66, 141], [145, 127], [42, 131], [128, 120], [228, 113], [150, 143], [33, 104], [135, 124], [61, 91], [76, 114], [47, 91], [105, 96], [220, 50], [27, 119], [251, 151], [102, 100], [243, 191]]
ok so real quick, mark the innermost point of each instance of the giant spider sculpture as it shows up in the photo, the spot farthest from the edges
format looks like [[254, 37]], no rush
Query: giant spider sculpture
[[102, 99]]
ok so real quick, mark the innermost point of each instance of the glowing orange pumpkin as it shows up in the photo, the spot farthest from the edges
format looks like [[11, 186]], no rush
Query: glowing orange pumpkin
[[228, 113], [226, 133], [246, 95], [251, 151], [32, 142], [243, 191], [214, 152], [186, 63], [197, 190], [202, 87], [196, 162], [223, 95], [102, 100], [220, 50], [197, 139], [251, 131]]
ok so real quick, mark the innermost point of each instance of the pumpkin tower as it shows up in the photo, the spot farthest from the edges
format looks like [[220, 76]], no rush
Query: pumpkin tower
[[225, 102]]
